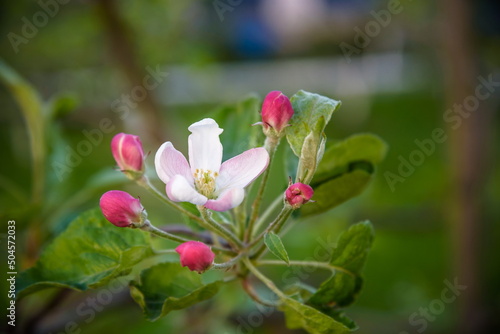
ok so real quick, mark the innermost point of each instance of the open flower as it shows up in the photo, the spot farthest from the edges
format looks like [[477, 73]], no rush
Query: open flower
[[204, 180]]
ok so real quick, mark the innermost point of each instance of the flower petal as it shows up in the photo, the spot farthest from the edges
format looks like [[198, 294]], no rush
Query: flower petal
[[170, 162], [205, 148], [239, 171], [180, 190], [229, 199]]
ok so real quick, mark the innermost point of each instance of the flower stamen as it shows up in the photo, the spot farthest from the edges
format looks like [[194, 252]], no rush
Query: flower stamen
[[204, 181]]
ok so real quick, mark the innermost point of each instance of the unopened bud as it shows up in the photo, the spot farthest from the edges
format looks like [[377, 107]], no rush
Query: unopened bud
[[276, 113], [196, 256], [298, 194], [128, 153], [122, 209]]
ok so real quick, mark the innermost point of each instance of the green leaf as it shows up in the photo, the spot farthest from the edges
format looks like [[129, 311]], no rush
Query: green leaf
[[236, 119], [31, 106], [309, 111], [88, 254], [61, 105], [350, 255], [274, 244], [167, 287], [336, 191], [344, 172], [313, 321], [339, 157]]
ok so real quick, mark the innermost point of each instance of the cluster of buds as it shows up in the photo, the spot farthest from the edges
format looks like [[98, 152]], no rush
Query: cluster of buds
[[124, 210], [276, 114]]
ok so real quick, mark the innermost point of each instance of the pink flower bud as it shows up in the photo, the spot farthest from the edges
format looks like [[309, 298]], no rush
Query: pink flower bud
[[121, 209], [298, 194], [195, 255], [276, 113], [128, 153]]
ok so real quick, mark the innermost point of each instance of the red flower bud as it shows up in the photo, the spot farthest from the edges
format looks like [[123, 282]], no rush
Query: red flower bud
[[195, 255], [128, 153], [298, 194], [121, 209], [276, 113]]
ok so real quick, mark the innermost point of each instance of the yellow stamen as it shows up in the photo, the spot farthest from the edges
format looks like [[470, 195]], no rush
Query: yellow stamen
[[204, 181]]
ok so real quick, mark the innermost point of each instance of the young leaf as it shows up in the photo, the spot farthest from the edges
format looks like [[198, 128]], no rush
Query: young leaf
[[344, 172], [274, 244], [88, 254], [309, 109], [313, 321], [167, 287], [336, 191], [350, 255], [339, 157]]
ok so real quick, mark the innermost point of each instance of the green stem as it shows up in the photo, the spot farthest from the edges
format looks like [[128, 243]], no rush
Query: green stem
[[263, 278], [253, 294], [266, 214], [271, 144], [227, 264], [156, 231], [164, 251], [145, 183], [219, 229], [276, 224], [312, 264]]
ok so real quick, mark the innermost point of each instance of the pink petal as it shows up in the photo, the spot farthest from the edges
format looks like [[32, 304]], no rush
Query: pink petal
[[229, 199], [127, 151], [239, 171], [180, 190], [170, 162], [205, 148]]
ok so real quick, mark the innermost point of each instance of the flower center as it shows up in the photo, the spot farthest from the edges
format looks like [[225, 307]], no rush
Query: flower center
[[204, 181]]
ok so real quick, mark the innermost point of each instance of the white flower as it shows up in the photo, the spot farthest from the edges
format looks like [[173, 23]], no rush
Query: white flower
[[204, 180]]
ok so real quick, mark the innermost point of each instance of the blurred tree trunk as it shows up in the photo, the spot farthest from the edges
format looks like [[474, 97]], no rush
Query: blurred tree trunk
[[148, 123], [468, 147]]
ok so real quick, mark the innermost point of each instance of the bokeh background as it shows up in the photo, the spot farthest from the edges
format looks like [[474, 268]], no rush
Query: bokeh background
[[401, 68]]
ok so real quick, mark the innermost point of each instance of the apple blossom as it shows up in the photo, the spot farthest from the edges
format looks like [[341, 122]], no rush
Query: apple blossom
[[204, 180]]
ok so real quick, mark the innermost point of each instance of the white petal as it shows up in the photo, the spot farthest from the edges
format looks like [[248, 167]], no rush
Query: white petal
[[180, 190], [205, 148], [229, 199], [170, 162], [239, 171]]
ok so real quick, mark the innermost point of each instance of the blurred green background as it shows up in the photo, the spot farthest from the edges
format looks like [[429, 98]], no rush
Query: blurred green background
[[407, 64]]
